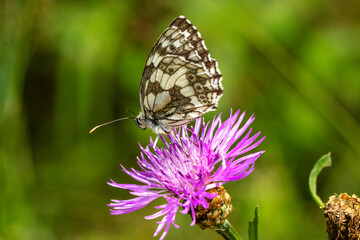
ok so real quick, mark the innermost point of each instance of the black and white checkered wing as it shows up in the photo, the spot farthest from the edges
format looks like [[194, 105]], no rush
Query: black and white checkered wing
[[181, 81]]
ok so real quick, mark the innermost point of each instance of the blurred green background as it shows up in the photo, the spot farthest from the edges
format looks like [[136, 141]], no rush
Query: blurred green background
[[67, 66]]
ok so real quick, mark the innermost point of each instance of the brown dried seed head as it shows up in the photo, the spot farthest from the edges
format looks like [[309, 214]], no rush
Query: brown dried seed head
[[342, 215]]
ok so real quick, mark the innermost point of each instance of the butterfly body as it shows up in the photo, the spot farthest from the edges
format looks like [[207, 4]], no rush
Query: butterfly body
[[154, 124], [180, 81]]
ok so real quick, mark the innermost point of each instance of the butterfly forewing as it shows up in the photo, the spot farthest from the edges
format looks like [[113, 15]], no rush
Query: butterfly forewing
[[180, 80]]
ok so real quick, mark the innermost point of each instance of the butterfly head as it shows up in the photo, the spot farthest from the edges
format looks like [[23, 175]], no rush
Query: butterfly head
[[144, 122], [140, 121]]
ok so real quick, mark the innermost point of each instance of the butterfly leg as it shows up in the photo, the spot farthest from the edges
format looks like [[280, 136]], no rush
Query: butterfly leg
[[179, 143]]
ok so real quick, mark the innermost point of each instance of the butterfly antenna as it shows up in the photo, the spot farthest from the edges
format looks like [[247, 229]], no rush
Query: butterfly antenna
[[116, 120], [127, 110]]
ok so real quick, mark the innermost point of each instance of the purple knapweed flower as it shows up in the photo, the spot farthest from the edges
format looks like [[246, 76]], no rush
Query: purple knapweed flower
[[197, 159]]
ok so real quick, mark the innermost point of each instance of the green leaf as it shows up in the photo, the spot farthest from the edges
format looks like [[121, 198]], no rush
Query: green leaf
[[253, 226], [324, 161]]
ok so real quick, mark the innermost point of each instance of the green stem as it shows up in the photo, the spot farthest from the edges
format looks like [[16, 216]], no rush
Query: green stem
[[228, 231]]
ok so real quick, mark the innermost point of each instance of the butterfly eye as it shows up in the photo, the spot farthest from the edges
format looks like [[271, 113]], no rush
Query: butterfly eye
[[139, 123]]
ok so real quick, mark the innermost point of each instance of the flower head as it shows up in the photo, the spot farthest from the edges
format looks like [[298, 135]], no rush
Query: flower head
[[195, 160]]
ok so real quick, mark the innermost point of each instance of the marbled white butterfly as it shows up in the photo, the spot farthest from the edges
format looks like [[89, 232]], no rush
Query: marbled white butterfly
[[180, 81]]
